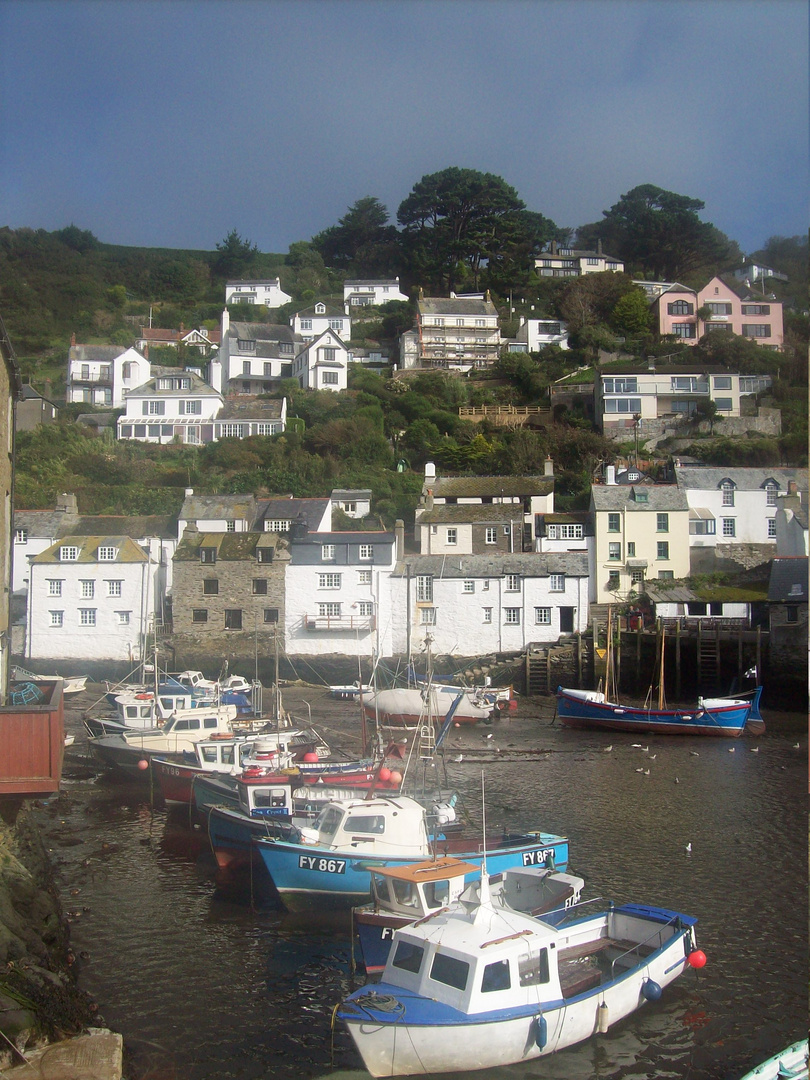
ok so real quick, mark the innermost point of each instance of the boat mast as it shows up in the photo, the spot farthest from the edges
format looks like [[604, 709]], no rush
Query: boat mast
[[661, 670]]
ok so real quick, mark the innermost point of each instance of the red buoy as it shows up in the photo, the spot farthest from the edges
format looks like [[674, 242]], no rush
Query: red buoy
[[696, 959], [143, 764], [384, 774]]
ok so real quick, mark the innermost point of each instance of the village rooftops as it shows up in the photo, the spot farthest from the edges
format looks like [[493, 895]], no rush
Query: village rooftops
[[251, 409], [478, 513], [309, 512], [455, 305], [218, 508], [495, 487], [86, 549], [743, 478], [788, 582], [655, 497], [228, 547], [527, 564]]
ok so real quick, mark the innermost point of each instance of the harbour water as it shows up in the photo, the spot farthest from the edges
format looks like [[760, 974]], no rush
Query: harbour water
[[207, 984]]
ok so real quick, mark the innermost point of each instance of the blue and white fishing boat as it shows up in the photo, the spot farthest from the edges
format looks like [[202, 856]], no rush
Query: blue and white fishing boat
[[475, 986], [724, 716], [332, 862], [788, 1064]]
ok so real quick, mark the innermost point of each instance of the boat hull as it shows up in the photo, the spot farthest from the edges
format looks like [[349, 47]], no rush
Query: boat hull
[[789, 1064], [726, 720], [308, 875], [407, 708], [413, 1036]]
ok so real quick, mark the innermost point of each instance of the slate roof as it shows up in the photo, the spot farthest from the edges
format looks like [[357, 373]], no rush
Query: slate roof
[[618, 497], [262, 332], [97, 420], [104, 353], [43, 522], [788, 582], [137, 526], [527, 564], [439, 305], [250, 409], [218, 507], [468, 487], [254, 281], [692, 368], [127, 550], [331, 312], [351, 493], [709, 477], [230, 547], [472, 513], [199, 388], [370, 281], [285, 509]]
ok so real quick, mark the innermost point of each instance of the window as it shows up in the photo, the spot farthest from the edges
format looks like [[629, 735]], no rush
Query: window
[[68, 553], [620, 386], [234, 431], [327, 552], [771, 527], [336, 324], [662, 549], [87, 616], [614, 522], [666, 575], [662, 522], [487, 614], [724, 404], [21, 536], [329, 354], [756, 309], [771, 491], [485, 585], [564, 532], [329, 581], [154, 408], [496, 976], [718, 309], [631, 549], [512, 583], [623, 405], [329, 610], [114, 588], [264, 554], [680, 307], [329, 378], [452, 536], [286, 347], [211, 586], [277, 525], [729, 526], [122, 617], [533, 970], [191, 408], [424, 588], [199, 615], [230, 526], [208, 554], [640, 495], [728, 493], [556, 583], [306, 324], [271, 614], [756, 330], [87, 589], [490, 535], [363, 577], [721, 382], [613, 582], [511, 616], [468, 587], [427, 616], [365, 608], [542, 616], [54, 587], [702, 528], [791, 613], [614, 551], [408, 956], [233, 619], [260, 586], [57, 618], [366, 552]]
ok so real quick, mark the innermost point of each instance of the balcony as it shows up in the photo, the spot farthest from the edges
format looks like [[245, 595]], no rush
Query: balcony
[[339, 623]]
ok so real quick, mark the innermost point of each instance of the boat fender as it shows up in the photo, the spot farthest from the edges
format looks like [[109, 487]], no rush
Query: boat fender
[[540, 1031], [696, 958], [602, 1018], [650, 990], [502, 706]]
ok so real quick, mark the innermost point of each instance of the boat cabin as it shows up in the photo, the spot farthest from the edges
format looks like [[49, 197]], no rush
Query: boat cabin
[[416, 890], [266, 796], [391, 823]]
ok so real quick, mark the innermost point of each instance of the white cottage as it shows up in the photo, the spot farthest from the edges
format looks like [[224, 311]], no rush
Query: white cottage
[[323, 363], [103, 375]]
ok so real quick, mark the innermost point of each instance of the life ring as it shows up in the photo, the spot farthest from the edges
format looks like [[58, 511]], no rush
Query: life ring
[[221, 735], [143, 697]]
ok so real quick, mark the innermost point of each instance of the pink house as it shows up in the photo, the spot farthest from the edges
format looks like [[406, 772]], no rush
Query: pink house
[[730, 309]]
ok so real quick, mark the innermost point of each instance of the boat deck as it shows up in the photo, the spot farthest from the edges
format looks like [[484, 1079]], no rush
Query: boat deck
[[583, 967]]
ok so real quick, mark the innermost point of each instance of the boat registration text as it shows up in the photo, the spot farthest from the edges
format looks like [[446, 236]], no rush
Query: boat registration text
[[538, 858], [325, 866]]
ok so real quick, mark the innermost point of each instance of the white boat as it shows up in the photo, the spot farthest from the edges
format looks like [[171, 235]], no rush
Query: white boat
[[350, 692], [476, 986], [406, 707], [71, 684], [788, 1064]]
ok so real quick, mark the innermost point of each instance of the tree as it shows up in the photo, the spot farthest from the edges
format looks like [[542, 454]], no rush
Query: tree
[[591, 298], [658, 233], [362, 243], [453, 222], [236, 256], [631, 314]]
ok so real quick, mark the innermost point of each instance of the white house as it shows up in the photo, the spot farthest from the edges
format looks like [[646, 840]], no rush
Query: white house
[[478, 604], [91, 598], [735, 505], [357, 293], [338, 599], [313, 321], [253, 357], [280, 513], [538, 333], [353, 502], [456, 333], [268, 292], [323, 363], [560, 261], [174, 405], [103, 375]]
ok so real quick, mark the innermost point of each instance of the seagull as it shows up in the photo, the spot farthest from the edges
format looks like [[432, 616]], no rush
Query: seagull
[[607, 749], [636, 745], [457, 757], [646, 772], [694, 753], [644, 749], [639, 769], [653, 757], [796, 746], [731, 749], [677, 781], [754, 749], [487, 736], [689, 848]]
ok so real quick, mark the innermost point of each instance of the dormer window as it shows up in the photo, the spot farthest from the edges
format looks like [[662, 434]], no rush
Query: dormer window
[[640, 496], [208, 554], [246, 345], [320, 309], [107, 554], [727, 488], [68, 553], [771, 491]]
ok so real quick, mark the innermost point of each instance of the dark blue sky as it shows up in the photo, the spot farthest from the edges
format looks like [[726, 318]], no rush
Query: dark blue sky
[[170, 123]]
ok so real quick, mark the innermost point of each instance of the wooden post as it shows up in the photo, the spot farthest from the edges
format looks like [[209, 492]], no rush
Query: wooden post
[[739, 659], [618, 679], [579, 660], [700, 653], [638, 657], [678, 660], [759, 656]]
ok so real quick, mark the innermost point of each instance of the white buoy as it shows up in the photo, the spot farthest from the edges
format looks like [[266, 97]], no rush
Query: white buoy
[[602, 1018]]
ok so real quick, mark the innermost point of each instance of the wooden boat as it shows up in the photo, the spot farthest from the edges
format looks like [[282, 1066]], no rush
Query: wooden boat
[[788, 1064], [478, 986], [403, 894], [710, 716], [406, 707], [332, 862]]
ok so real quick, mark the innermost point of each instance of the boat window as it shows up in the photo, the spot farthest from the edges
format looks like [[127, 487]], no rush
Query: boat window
[[328, 821], [131, 710], [366, 823], [404, 892], [227, 754], [209, 753], [381, 887], [408, 956], [437, 893], [533, 970], [273, 797], [208, 722], [180, 725], [495, 977], [450, 971]]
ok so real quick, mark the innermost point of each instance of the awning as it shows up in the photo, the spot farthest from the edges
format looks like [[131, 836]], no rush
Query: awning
[[700, 513]]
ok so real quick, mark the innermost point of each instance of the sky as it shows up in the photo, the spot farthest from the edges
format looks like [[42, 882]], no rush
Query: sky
[[168, 123]]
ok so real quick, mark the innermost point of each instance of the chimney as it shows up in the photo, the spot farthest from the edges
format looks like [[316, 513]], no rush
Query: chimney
[[548, 467], [399, 541], [182, 328], [598, 247], [650, 363], [67, 503], [792, 487], [610, 475], [146, 351], [430, 472], [72, 340], [226, 323], [188, 492], [488, 298], [553, 247]]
